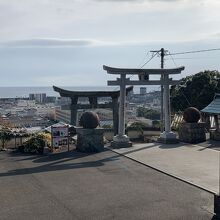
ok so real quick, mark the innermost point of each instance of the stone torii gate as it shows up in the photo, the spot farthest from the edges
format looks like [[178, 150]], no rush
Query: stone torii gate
[[121, 140], [93, 102]]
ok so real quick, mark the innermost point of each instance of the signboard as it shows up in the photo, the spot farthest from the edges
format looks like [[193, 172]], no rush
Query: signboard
[[59, 136]]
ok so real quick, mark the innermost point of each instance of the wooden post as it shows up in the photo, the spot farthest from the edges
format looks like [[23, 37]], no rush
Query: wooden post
[[216, 122]]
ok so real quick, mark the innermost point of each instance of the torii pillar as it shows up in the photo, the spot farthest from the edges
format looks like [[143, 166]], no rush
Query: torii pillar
[[121, 139]]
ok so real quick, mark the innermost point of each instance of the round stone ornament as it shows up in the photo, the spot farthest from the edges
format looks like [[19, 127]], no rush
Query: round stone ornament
[[191, 115], [89, 120]]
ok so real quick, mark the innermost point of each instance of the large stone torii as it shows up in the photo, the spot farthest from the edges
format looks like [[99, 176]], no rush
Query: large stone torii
[[93, 102], [167, 136]]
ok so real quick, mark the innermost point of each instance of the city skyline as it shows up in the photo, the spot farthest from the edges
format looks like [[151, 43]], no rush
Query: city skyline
[[66, 43]]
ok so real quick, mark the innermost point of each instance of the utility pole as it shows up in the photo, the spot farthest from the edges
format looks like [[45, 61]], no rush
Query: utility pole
[[162, 53]]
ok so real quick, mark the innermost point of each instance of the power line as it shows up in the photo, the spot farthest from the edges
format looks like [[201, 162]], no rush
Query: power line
[[181, 74], [145, 56], [195, 51], [192, 58], [172, 58], [153, 55]]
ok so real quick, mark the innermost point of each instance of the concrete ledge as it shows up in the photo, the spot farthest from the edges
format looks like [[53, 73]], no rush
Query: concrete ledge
[[168, 140], [121, 141], [117, 145]]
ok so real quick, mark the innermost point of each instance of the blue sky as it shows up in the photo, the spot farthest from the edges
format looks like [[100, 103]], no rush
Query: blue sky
[[54, 42]]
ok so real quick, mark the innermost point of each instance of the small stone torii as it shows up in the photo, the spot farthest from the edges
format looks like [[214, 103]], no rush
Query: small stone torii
[[93, 102], [121, 140]]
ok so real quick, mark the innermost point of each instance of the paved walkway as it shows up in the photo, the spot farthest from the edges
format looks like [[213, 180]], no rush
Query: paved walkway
[[196, 164], [105, 186]]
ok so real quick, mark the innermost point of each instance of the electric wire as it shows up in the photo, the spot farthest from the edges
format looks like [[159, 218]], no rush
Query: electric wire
[[172, 59], [195, 51], [181, 77], [192, 58], [153, 55], [143, 59], [140, 66]]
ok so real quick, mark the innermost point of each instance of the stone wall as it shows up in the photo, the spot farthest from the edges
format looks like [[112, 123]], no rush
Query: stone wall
[[192, 132]]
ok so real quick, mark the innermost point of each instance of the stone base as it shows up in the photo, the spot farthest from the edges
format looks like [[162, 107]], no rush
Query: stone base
[[192, 132], [168, 138], [215, 135], [121, 142], [90, 140]]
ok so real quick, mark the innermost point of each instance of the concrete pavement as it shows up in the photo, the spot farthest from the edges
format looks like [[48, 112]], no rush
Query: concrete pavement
[[73, 185], [195, 164]]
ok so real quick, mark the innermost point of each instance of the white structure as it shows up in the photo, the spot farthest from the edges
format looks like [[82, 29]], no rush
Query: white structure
[[166, 136]]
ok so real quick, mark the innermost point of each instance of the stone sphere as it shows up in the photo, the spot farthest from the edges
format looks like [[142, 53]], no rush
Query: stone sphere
[[89, 120], [191, 115]]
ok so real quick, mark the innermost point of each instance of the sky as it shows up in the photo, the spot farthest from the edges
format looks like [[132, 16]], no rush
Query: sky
[[66, 42]]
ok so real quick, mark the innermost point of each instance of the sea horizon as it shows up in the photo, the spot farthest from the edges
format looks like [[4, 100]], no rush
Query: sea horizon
[[24, 91]]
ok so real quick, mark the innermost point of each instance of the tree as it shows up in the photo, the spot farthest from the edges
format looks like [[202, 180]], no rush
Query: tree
[[195, 91], [148, 113], [5, 135]]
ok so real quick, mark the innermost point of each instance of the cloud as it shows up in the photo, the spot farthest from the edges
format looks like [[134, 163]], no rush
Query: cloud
[[138, 1], [62, 43], [46, 42], [216, 35]]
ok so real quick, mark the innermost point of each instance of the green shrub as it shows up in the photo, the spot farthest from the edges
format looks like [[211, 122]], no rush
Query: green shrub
[[138, 126], [5, 135], [36, 143], [156, 124]]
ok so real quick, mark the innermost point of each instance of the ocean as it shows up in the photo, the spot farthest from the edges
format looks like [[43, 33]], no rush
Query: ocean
[[23, 92]]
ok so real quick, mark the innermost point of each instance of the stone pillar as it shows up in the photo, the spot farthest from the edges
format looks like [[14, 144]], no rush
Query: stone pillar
[[73, 111], [121, 140], [121, 126], [166, 101], [93, 101], [115, 114], [167, 137]]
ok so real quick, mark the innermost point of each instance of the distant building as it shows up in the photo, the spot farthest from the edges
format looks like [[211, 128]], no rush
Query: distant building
[[51, 99], [62, 101], [25, 121], [38, 97], [62, 115], [31, 96], [25, 103]]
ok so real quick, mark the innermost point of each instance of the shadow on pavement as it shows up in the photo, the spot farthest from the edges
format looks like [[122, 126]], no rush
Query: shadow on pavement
[[141, 148], [59, 161], [211, 144]]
